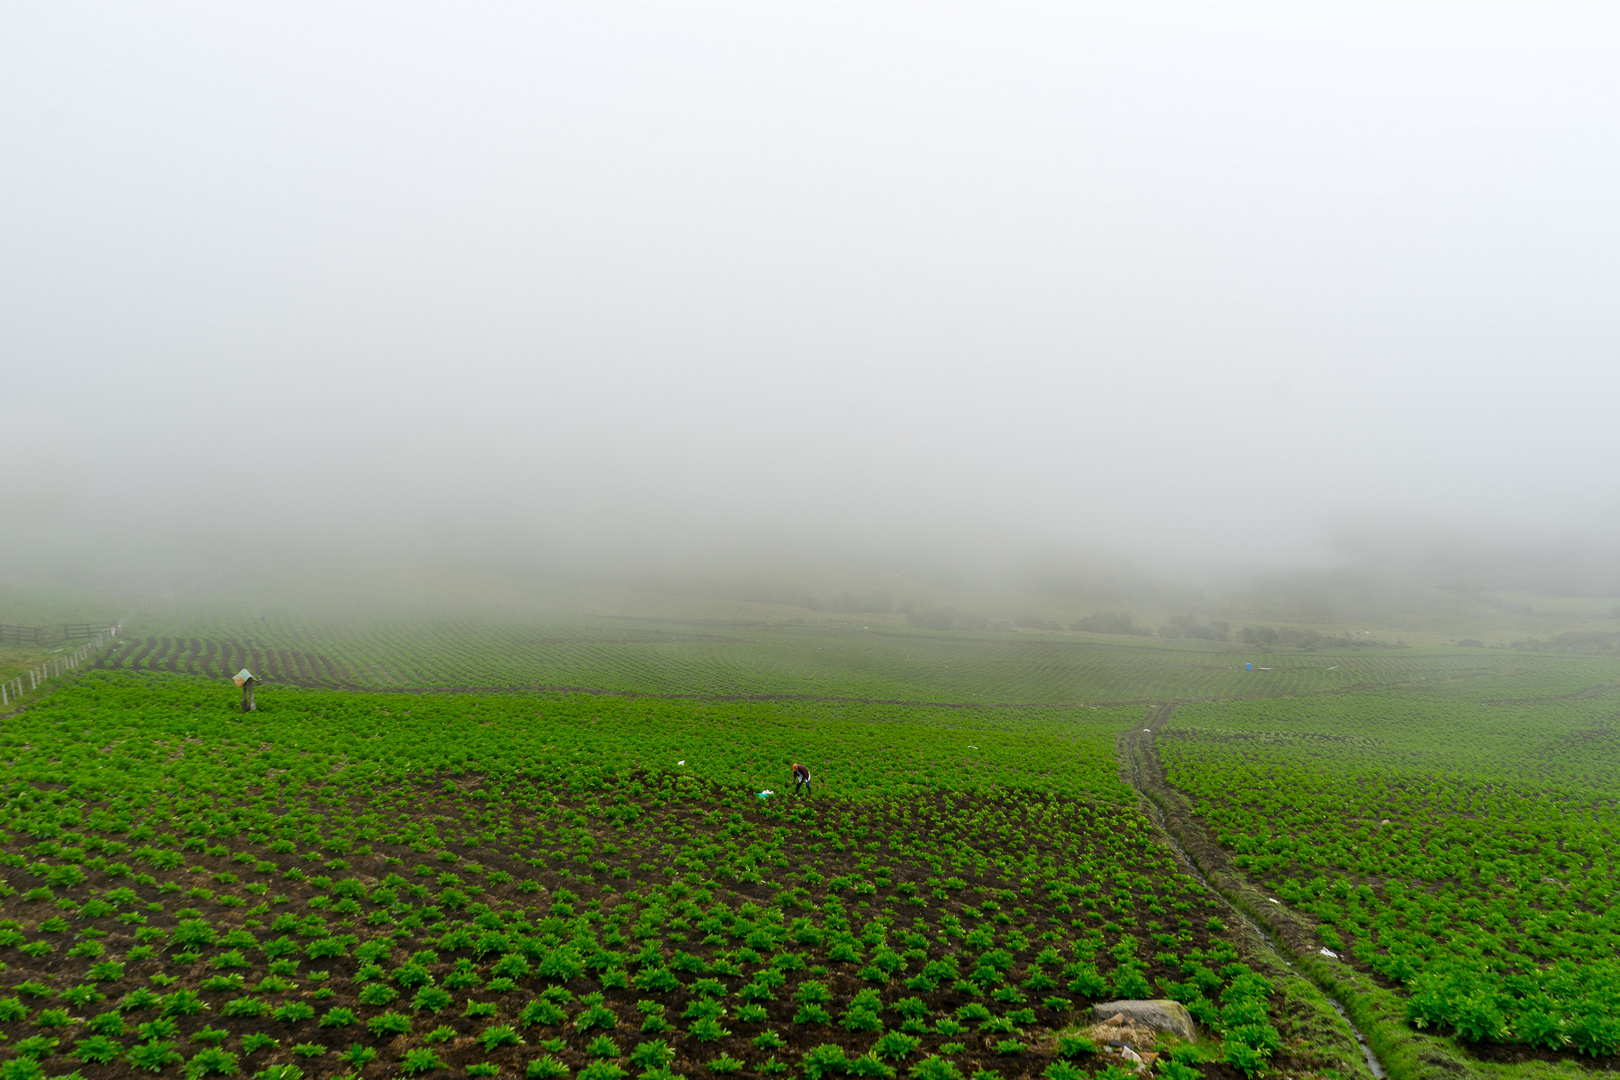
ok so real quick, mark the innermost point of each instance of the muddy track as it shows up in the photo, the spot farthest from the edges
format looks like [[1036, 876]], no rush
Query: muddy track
[[1147, 775], [1267, 920]]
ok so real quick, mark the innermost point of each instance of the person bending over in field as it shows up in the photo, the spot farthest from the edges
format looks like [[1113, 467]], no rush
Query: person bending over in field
[[801, 778]]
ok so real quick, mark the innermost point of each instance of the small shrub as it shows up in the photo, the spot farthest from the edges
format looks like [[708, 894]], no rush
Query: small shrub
[[153, 1056], [707, 1029], [359, 1056], [652, 1055], [869, 1065], [432, 999], [1072, 1046], [97, 1050], [254, 1041], [388, 1023], [810, 1013], [378, 994], [422, 1059], [248, 1006], [339, 1017], [293, 1012], [935, 1068], [502, 1035], [1595, 1031], [161, 1028], [895, 1045], [597, 1016], [825, 1060], [35, 1047], [546, 1067], [1244, 1058], [541, 1012], [82, 995], [279, 1072]]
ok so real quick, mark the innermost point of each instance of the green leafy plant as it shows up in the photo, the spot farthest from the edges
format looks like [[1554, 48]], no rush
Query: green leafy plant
[[499, 1035], [153, 1056], [546, 1067], [420, 1060], [212, 1061], [358, 1056], [389, 1023]]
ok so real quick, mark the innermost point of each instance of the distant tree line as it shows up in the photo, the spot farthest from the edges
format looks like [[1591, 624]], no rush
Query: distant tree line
[[1109, 622], [1185, 626], [948, 618], [1032, 622], [1583, 641], [876, 603], [1311, 640]]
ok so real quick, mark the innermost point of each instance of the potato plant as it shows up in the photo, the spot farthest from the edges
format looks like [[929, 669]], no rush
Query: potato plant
[[1463, 850], [501, 885]]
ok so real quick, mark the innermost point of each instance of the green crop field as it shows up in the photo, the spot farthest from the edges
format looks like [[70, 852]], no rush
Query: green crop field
[[515, 843], [1460, 847], [512, 885], [718, 658]]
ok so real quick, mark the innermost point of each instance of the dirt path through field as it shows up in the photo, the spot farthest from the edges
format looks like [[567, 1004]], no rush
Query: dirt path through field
[[1211, 864]]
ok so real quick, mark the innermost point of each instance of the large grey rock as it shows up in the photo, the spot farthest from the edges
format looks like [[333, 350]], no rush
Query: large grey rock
[[1164, 1015]]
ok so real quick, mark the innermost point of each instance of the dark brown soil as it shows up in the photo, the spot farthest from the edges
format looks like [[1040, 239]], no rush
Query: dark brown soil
[[590, 889]]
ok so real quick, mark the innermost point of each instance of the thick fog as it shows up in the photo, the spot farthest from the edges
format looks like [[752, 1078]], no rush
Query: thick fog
[[1228, 282]]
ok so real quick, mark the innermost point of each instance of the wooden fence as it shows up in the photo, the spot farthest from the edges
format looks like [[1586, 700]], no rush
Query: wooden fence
[[54, 668]]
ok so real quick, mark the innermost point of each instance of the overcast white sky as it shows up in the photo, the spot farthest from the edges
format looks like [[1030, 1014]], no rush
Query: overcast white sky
[[1208, 280]]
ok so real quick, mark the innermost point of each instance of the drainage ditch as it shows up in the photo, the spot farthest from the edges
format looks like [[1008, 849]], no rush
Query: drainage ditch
[[1375, 1066]]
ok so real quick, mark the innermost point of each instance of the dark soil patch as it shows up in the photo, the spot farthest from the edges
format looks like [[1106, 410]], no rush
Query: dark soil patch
[[242, 874]]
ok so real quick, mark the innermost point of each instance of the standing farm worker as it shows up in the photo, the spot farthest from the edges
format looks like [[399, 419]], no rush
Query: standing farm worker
[[801, 778]]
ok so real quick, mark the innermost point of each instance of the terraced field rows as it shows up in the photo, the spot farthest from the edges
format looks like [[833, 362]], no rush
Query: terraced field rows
[[740, 659]]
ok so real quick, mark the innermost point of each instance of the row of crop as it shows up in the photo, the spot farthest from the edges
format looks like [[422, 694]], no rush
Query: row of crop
[[191, 938], [1458, 886], [170, 770], [843, 662], [384, 737], [214, 658]]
